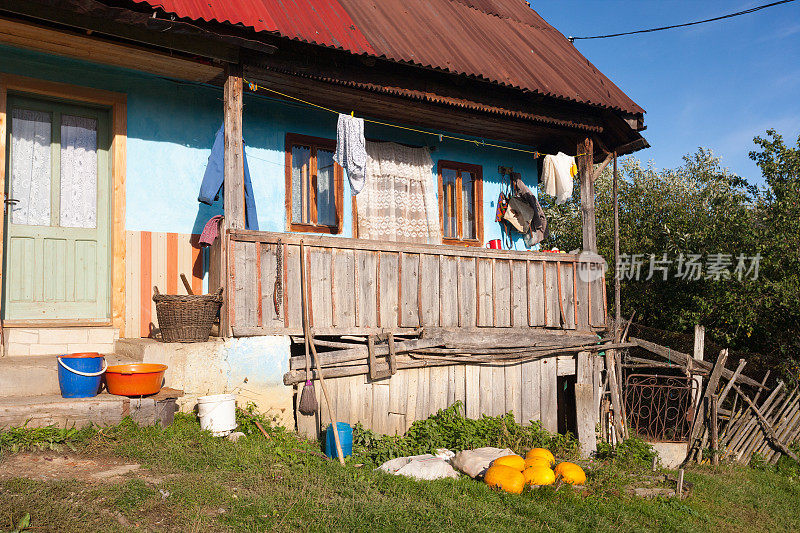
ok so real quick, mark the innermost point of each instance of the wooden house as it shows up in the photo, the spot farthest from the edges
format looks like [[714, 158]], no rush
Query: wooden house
[[108, 114]]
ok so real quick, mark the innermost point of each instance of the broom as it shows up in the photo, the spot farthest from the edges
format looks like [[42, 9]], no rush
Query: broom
[[308, 398]]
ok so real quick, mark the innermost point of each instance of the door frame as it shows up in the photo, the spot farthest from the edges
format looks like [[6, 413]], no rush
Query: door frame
[[117, 103]]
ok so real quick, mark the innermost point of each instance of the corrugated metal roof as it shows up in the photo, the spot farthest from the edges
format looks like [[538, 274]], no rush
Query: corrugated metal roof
[[501, 41], [323, 22]]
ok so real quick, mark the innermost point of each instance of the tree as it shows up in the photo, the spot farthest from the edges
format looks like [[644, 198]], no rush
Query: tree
[[703, 211]]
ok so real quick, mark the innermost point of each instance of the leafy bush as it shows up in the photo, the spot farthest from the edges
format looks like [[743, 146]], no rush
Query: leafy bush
[[450, 429], [23, 438], [631, 451]]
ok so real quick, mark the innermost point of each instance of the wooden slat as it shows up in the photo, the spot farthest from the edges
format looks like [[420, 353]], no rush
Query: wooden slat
[[530, 391], [412, 387], [409, 272], [380, 407], [293, 305], [598, 303], [423, 395], [583, 296], [513, 388], [498, 390], [245, 304], [437, 388], [568, 295], [536, 299], [344, 291], [467, 296], [553, 317], [459, 384], [485, 286], [519, 294], [430, 285], [448, 292], [269, 277], [342, 399], [486, 395], [388, 289], [472, 391], [502, 294], [549, 396], [320, 272], [367, 287]]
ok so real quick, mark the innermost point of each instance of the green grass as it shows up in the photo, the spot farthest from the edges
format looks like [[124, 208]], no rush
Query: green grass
[[196, 482]]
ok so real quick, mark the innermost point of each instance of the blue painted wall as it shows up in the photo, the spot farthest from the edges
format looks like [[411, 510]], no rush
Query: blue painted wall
[[171, 128]]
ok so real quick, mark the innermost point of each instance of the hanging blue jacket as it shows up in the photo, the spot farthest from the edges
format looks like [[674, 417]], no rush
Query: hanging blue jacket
[[215, 176]]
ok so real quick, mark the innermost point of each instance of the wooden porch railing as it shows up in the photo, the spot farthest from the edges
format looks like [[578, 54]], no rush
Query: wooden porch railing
[[359, 286]]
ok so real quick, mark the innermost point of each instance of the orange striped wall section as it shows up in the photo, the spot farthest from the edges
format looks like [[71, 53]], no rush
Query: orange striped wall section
[[157, 259]]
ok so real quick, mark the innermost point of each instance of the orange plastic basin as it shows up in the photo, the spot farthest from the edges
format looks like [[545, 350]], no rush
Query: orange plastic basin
[[135, 379]]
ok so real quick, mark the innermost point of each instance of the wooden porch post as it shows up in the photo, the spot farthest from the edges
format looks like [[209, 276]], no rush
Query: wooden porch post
[[234, 150], [233, 189], [585, 165]]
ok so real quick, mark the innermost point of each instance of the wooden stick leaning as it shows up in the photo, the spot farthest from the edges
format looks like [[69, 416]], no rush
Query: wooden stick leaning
[[767, 428], [310, 341]]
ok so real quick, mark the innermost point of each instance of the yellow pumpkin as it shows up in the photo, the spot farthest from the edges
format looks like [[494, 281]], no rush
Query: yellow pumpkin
[[514, 461], [571, 473], [505, 477], [537, 460], [539, 475], [543, 453]]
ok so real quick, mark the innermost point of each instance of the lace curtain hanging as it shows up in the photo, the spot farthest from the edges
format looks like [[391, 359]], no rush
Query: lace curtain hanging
[[78, 172], [398, 201], [30, 167]]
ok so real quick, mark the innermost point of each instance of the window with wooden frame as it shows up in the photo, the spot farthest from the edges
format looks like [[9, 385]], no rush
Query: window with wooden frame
[[461, 203], [313, 185]]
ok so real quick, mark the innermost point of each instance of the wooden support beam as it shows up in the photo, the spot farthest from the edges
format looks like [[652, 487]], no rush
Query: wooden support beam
[[697, 355], [234, 149], [584, 162], [603, 165]]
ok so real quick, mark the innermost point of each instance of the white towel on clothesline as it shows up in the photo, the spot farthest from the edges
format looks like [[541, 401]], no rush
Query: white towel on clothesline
[[351, 153], [558, 173]]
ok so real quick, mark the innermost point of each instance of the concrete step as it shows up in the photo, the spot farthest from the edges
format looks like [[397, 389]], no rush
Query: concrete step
[[102, 410], [38, 375]]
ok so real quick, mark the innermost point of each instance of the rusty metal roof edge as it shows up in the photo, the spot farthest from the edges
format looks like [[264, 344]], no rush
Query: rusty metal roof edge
[[449, 101]]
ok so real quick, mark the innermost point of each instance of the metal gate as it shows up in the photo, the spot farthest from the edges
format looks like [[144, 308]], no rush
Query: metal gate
[[659, 408]]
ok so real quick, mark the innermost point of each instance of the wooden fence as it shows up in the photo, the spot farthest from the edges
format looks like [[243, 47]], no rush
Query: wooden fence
[[360, 286]]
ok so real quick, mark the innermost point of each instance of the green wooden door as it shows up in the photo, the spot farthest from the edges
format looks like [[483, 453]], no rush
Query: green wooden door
[[57, 212]]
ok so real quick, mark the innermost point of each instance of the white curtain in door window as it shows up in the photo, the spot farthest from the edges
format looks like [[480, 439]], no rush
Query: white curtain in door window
[[30, 167], [398, 201], [78, 172]]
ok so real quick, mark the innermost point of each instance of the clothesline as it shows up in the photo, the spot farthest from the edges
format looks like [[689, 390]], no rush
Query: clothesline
[[255, 88]]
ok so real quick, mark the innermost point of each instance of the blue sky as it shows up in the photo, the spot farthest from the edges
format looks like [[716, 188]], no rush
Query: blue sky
[[715, 85]]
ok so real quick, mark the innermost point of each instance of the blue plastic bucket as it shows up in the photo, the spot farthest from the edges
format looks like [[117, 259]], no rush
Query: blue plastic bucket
[[345, 438], [80, 374]]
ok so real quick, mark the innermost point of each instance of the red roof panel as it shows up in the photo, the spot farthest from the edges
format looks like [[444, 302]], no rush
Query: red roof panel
[[501, 41]]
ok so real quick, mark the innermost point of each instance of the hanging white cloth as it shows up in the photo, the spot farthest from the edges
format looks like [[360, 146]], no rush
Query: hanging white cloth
[[350, 151], [558, 173], [398, 202]]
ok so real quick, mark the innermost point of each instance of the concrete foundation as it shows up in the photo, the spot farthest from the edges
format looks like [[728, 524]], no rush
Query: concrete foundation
[[252, 368], [671, 454]]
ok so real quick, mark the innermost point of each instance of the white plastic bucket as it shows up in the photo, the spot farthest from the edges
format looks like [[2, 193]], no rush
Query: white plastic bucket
[[217, 413]]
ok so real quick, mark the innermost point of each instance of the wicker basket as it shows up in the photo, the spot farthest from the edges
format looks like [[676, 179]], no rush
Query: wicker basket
[[186, 317]]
